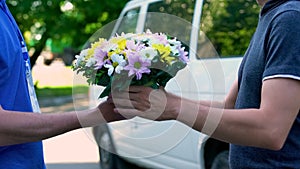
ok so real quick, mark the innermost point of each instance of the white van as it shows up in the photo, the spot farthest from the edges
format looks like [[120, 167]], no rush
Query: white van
[[170, 144]]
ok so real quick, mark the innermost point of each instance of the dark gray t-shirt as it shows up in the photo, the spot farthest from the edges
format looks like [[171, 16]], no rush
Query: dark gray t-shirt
[[274, 52]]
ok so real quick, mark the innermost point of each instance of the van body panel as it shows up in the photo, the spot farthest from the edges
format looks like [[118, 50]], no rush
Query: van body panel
[[171, 144]]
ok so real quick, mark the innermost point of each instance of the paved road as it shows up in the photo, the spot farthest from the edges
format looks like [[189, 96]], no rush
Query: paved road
[[73, 150], [74, 166]]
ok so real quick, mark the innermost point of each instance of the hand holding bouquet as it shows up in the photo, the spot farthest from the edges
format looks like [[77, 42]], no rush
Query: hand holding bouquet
[[148, 59]]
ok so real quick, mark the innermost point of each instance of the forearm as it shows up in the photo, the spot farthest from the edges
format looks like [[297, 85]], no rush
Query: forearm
[[240, 127], [228, 103], [267, 126], [20, 127], [215, 104]]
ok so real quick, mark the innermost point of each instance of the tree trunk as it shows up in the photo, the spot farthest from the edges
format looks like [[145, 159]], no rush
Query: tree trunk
[[38, 49]]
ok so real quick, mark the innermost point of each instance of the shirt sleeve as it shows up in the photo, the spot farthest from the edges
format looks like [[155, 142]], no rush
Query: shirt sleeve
[[283, 47]]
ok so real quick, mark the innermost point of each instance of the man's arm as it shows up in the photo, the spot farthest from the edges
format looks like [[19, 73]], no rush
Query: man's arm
[[20, 127], [266, 127], [229, 100]]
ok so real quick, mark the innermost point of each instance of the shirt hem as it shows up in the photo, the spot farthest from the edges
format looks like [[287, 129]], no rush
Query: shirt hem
[[282, 76]]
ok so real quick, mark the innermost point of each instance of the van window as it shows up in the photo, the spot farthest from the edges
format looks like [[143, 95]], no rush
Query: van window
[[181, 8], [226, 25], [170, 17], [129, 21]]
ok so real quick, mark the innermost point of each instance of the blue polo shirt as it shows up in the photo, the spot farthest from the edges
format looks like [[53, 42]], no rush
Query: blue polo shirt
[[274, 52], [14, 94]]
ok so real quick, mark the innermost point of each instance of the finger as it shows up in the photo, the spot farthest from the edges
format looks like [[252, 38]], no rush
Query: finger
[[162, 89], [120, 94], [137, 89], [123, 103], [128, 113], [131, 104], [109, 99], [139, 97]]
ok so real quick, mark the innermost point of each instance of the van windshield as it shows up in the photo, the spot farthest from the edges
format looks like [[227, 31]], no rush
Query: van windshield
[[129, 21]]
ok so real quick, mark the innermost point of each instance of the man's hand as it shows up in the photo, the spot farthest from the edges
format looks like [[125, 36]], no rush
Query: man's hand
[[107, 110], [103, 113], [147, 103]]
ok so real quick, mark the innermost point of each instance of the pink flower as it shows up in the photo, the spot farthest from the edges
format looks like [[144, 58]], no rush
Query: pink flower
[[137, 65], [183, 55], [99, 55], [132, 47]]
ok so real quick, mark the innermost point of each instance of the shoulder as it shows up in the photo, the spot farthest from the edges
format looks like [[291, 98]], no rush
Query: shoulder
[[286, 19], [283, 42], [288, 11], [282, 18], [292, 4]]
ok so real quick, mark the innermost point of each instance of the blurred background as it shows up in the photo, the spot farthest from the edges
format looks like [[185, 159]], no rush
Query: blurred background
[[56, 30]]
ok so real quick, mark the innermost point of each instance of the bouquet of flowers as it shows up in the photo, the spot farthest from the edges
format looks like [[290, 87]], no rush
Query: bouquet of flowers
[[149, 59]]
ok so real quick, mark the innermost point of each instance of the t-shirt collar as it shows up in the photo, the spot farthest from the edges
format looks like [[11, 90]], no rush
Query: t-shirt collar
[[272, 4]]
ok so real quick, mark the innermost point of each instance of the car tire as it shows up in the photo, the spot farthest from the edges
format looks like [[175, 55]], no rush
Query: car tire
[[221, 160], [107, 152]]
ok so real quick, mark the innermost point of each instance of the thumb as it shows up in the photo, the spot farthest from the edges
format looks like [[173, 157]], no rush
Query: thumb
[[162, 88]]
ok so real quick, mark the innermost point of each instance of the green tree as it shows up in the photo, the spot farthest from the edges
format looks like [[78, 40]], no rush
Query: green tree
[[68, 23], [230, 24]]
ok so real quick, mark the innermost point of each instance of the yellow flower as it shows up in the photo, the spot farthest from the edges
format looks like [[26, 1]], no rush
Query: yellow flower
[[116, 51], [165, 52], [91, 50], [120, 41], [122, 44]]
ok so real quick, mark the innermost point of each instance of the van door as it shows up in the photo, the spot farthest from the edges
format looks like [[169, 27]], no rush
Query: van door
[[154, 140]]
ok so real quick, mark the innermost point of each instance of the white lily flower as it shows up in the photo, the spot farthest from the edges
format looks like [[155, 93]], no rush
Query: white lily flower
[[174, 50], [174, 46], [148, 53], [118, 64], [174, 42], [78, 60], [84, 53], [91, 62], [80, 57], [110, 69]]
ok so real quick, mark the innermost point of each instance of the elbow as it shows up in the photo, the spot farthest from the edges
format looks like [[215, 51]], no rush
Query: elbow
[[273, 132], [275, 141], [276, 145]]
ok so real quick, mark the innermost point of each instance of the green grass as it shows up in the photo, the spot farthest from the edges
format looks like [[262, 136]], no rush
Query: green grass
[[60, 91]]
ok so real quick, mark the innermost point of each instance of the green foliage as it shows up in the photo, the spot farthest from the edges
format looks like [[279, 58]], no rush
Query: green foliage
[[47, 92], [230, 24], [67, 22]]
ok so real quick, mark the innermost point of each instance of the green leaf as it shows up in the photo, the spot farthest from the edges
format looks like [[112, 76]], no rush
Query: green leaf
[[102, 78], [105, 92]]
